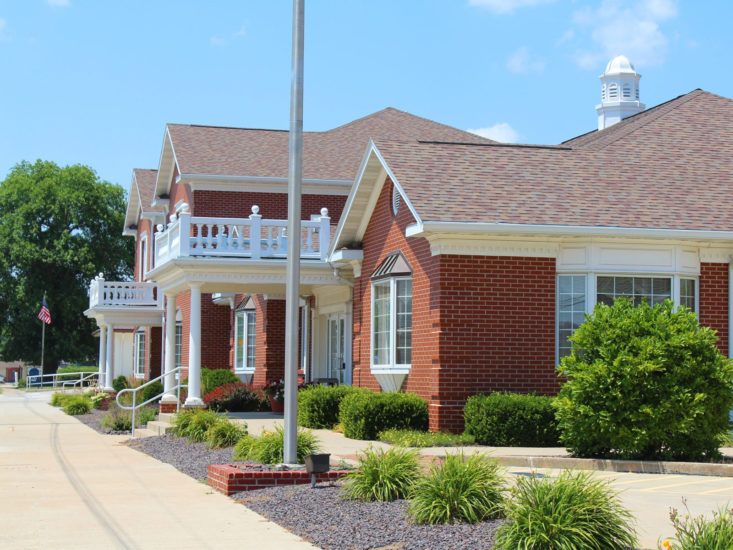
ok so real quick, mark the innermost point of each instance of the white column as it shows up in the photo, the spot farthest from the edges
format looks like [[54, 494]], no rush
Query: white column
[[109, 358], [170, 349], [102, 354], [194, 349]]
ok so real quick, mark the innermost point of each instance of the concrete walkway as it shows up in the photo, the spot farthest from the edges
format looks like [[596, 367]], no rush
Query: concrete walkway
[[64, 486]]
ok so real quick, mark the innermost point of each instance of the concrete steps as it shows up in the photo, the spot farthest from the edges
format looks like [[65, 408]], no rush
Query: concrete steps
[[161, 426]]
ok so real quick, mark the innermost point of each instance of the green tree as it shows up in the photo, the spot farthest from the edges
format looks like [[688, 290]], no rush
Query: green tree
[[59, 227]]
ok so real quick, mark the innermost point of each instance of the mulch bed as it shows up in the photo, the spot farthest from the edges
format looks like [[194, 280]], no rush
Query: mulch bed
[[322, 517]]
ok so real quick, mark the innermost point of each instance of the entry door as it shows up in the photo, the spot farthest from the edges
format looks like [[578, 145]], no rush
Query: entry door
[[336, 361]]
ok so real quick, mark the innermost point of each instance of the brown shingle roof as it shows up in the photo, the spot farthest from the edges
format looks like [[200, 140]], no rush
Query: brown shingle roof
[[145, 179], [670, 169], [334, 154]]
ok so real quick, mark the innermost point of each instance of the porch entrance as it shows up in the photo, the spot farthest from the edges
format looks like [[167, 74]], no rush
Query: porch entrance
[[336, 349]]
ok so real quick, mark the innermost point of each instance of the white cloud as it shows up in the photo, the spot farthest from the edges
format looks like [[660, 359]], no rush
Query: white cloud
[[506, 6], [217, 40], [222, 39], [624, 27], [522, 62], [501, 131], [59, 3], [3, 27]]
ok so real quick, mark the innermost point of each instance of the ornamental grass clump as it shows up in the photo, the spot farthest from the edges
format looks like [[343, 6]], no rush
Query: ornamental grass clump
[[200, 424], [466, 490], [382, 475], [700, 533], [225, 434], [77, 404], [58, 399], [644, 383], [268, 447], [573, 511]]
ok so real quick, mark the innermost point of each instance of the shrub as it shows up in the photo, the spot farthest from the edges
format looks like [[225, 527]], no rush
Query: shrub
[[213, 378], [98, 399], [120, 420], [699, 533], [58, 399], [512, 420], [182, 421], [233, 397], [573, 511], [153, 390], [22, 383], [382, 475], [644, 383], [414, 438], [365, 414], [318, 406], [225, 434], [120, 383], [199, 424], [77, 404], [268, 448], [459, 490]]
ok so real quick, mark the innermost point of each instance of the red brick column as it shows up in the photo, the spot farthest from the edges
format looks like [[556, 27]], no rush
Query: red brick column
[[714, 301]]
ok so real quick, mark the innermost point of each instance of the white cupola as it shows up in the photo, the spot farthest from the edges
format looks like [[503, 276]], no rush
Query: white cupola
[[619, 92]]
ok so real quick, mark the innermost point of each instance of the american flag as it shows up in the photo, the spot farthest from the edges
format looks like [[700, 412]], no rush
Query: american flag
[[44, 315]]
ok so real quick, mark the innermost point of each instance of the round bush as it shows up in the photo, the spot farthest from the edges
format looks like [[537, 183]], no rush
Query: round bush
[[644, 383], [153, 390], [512, 420], [459, 490], [382, 475], [318, 406], [213, 378], [573, 511], [120, 383], [364, 415]]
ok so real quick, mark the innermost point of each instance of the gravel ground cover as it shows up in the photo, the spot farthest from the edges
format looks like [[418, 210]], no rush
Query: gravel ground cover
[[94, 421], [192, 459], [321, 516]]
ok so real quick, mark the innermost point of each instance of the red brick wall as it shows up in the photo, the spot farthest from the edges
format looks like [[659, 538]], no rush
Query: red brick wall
[[714, 301], [386, 234], [497, 319], [235, 204], [216, 329], [269, 340]]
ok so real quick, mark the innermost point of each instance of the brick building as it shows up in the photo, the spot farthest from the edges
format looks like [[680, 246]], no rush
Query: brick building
[[437, 262]]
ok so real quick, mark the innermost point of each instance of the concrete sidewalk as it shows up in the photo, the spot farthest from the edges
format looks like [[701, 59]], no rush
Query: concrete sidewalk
[[64, 486]]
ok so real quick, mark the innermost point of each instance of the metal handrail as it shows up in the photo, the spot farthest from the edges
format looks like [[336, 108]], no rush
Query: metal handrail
[[134, 391], [73, 383], [38, 379]]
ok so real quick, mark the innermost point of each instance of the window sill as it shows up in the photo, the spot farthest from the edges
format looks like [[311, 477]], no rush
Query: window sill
[[391, 370]]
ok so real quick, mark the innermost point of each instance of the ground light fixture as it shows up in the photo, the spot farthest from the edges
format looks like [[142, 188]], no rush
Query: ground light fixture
[[317, 464]]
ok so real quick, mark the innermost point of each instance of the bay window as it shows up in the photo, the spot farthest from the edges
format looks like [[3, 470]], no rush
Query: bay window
[[244, 341], [392, 314]]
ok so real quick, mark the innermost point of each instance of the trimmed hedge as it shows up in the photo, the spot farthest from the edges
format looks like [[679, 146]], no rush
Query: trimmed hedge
[[74, 369], [318, 406], [512, 420], [233, 397], [365, 414]]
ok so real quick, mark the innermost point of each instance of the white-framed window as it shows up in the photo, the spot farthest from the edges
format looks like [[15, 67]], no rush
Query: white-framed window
[[140, 354], [578, 294], [244, 340]]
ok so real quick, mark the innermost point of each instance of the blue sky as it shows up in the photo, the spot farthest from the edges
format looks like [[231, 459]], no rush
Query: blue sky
[[94, 82]]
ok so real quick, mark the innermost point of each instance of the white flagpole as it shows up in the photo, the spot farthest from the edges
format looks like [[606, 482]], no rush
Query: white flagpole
[[43, 338], [292, 278]]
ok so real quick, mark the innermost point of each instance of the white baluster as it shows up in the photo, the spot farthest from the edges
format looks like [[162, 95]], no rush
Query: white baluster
[[184, 233], [255, 233], [324, 234]]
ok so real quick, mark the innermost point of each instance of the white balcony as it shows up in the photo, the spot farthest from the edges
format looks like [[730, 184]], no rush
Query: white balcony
[[113, 294], [250, 238]]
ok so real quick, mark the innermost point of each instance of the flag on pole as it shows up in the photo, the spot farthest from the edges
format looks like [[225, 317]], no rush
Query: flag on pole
[[44, 315]]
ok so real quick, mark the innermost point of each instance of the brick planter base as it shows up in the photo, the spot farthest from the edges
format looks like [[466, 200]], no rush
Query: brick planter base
[[167, 408], [230, 479]]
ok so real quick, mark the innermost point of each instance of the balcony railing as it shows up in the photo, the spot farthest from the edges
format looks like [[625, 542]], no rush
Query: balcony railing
[[253, 237], [123, 294]]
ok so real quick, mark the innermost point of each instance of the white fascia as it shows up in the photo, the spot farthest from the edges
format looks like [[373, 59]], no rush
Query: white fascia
[[164, 175], [422, 228]]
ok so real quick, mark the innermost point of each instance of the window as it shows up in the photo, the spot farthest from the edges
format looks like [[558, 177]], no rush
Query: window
[[244, 341], [571, 309], [179, 344], [652, 290], [140, 354], [687, 293], [392, 314]]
